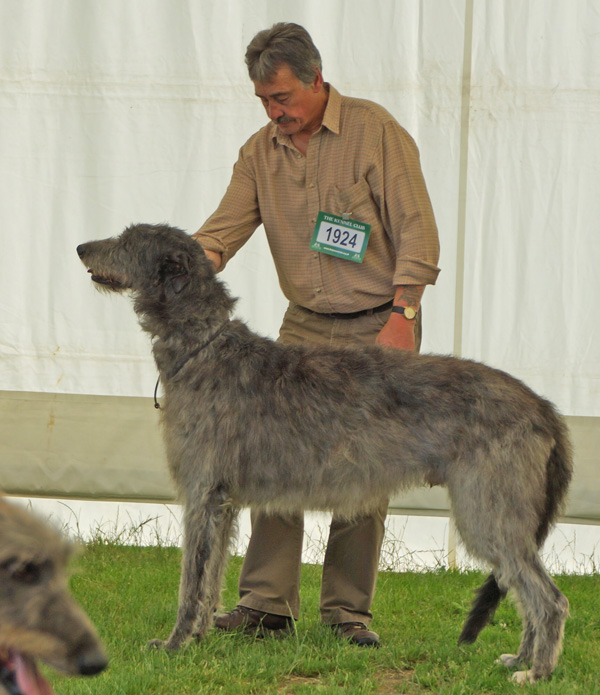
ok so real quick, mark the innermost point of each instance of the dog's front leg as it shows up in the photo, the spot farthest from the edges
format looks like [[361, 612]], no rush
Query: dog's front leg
[[201, 521], [210, 591]]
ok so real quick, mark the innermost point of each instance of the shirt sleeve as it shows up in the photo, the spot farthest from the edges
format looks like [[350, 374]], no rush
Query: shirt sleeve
[[237, 216], [399, 188]]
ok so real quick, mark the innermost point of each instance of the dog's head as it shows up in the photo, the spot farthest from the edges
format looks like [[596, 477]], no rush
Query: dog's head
[[144, 256], [173, 282], [39, 619]]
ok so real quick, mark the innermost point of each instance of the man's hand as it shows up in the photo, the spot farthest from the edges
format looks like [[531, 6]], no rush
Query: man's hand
[[215, 257], [399, 332]]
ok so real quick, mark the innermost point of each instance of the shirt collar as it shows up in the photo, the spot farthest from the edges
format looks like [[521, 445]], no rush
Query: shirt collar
[[331, 118], [333, 110]]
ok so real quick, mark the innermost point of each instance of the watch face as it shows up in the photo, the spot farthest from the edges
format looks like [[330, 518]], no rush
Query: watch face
[[409, 312]]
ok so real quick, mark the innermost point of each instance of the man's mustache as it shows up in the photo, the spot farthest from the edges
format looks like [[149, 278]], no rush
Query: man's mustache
[[282, 120]]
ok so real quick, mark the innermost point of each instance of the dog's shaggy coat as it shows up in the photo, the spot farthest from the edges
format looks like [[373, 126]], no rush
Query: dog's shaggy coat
[[250, 422], [39, 619]]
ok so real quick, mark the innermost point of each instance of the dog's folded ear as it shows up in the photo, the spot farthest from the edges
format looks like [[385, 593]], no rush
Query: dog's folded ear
[[174, 272]]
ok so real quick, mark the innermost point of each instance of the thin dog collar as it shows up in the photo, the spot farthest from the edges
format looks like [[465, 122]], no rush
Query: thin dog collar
[[192, 354]]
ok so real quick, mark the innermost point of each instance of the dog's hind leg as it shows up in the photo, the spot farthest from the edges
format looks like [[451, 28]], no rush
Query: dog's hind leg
[[525, 654], [498, 520], [545, 610], [201, 562]]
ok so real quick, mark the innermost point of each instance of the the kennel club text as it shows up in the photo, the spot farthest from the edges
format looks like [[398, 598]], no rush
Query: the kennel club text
[[337, 236]]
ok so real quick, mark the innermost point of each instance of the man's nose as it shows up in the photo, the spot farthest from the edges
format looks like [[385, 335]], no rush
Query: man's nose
[[274, 111]]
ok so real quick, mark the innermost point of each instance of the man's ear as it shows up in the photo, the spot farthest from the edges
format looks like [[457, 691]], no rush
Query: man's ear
[[317, 84], [174, 272]]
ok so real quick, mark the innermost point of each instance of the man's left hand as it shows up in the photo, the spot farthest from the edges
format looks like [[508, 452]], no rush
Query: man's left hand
[[398, 333]]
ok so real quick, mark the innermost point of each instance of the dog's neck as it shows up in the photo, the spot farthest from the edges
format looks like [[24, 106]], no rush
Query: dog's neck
[[181, 321], [184, 320], [196, 351], [178, 348]]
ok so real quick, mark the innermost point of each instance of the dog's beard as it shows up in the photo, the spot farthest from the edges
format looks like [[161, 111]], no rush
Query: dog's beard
[[108, 283]]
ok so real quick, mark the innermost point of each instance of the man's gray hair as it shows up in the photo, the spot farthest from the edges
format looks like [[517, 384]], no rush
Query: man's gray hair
[[284, 43]]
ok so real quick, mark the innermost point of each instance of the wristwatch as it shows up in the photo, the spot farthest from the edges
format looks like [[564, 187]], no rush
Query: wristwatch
[[407, 311]]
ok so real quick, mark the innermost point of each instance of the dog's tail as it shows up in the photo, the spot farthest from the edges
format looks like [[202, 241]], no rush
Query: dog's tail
[[486, 601], [559, 470]]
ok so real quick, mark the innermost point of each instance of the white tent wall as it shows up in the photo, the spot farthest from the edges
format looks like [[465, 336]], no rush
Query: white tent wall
[[115, 112], [532, 232]]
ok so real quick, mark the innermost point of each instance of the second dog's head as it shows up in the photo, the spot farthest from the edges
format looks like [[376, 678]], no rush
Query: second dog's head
[[39, 619]]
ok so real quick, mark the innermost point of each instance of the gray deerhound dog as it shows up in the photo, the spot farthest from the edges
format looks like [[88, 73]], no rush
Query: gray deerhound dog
[[251, 422], [39, 619]]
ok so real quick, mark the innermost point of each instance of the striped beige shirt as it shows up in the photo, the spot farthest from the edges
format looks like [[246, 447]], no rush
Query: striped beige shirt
[[361, 162]]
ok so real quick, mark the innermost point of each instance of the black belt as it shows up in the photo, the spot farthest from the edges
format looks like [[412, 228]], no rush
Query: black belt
[[354, 314]]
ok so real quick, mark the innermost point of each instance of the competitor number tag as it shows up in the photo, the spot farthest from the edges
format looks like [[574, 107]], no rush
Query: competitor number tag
[[344, 238]]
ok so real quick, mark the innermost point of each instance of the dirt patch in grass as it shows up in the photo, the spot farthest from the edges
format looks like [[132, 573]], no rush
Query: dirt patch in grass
[[291, 684], [387, 682]]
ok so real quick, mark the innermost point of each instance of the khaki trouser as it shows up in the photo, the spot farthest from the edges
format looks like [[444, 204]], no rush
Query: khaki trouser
[[270, 576]]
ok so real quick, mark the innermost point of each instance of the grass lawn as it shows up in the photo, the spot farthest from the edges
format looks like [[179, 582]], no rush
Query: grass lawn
[[131, 595]]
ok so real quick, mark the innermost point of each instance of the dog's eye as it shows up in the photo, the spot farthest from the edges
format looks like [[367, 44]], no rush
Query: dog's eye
[[26, 572], [30, 573]]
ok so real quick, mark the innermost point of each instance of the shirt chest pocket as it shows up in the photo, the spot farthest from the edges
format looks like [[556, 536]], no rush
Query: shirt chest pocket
[[355, 201]]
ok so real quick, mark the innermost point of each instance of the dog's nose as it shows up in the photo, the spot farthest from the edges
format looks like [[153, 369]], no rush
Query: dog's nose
[[91, 662], [80, 250]]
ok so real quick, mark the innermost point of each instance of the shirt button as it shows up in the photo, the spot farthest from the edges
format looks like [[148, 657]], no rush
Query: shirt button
[[318, 290], [311, 185]]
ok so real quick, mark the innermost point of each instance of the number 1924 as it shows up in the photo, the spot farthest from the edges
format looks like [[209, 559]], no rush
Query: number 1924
[[341, 237]]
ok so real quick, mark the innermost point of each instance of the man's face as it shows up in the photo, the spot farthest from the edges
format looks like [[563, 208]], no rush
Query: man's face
[[290, 104]]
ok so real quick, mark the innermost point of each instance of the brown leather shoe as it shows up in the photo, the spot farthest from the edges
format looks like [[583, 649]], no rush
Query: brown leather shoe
[[253, 622], [357, 633]]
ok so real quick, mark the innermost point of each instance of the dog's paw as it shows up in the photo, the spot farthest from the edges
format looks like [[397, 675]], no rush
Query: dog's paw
[[523, 677], [170, 645], [509, 660]]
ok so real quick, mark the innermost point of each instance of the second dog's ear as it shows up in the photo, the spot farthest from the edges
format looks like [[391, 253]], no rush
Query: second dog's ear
[[174, 272]]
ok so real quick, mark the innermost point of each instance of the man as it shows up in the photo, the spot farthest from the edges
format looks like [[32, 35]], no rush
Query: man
[[338, 186]]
